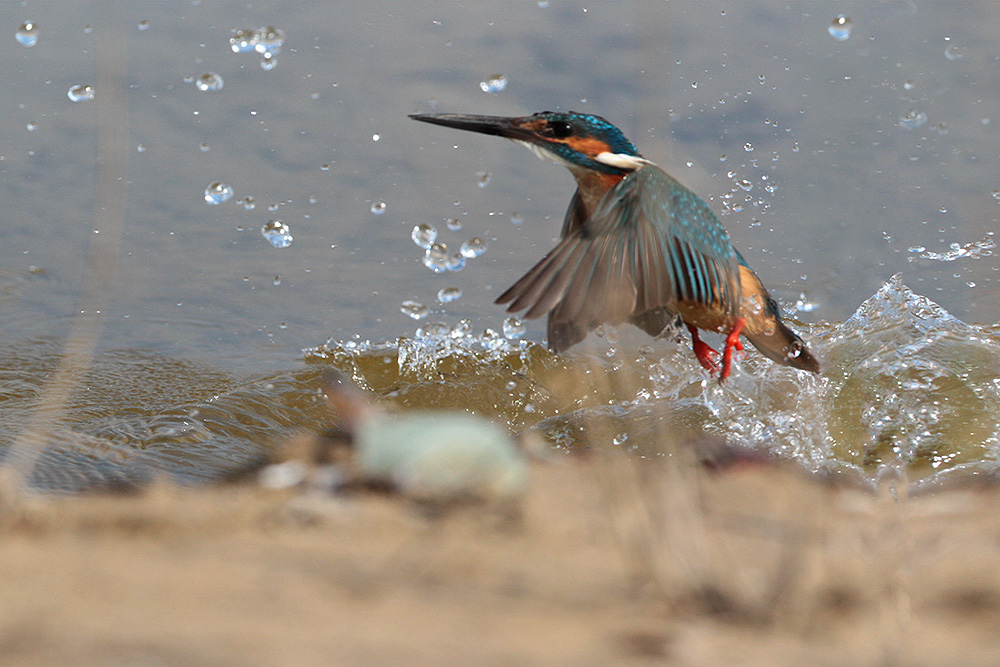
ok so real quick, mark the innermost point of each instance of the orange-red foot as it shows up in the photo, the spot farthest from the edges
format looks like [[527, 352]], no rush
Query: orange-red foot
[[705, 354], [732, 343]]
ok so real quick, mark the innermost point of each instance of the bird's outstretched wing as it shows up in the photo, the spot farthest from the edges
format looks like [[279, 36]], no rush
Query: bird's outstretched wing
[[650, 244]]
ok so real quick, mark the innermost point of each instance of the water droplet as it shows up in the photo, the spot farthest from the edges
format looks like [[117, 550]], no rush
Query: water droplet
[[513, 328], [620, 438], [27, 34], [270, 41], [243, 40], [909, 84], [378, 208], [424, 235], [474, 247], [745, 185], [248, 203], [454, 224], [218, 193], [954, 52], [141, 148], [516, 218], [433, 330], [484, 178], [748, 147], [449, 294], [996, 195], [912, 119], [436, 257], [81, 93], [493, 84], [204, 148], [542, 4], [277, 233], [32, 126], [268, 61], [456, 262], [840, 29], [143, 25], [209, 81], [276, 281], [414, 309]]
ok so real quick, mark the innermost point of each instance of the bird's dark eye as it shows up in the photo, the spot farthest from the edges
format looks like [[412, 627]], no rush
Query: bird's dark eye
[[560, 130]]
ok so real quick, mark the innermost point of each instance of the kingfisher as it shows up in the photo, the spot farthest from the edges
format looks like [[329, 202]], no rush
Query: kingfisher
[[636, 246]]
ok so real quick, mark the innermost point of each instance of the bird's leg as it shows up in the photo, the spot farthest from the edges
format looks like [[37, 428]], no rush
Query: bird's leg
[[732, 343], [705, 354]]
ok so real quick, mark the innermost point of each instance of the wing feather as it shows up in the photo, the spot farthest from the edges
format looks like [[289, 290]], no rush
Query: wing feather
[[648, 246]]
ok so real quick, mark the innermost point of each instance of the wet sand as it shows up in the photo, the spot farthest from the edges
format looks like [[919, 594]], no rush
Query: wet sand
[[606, 562]]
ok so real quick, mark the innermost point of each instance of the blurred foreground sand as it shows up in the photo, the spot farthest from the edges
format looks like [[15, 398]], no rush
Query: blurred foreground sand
[[609, 562]]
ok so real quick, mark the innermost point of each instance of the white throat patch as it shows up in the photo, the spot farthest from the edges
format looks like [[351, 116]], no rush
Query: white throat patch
[[621, 161], [544, 154]]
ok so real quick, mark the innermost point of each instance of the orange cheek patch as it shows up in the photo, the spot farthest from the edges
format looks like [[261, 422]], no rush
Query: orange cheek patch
[[588, 145]]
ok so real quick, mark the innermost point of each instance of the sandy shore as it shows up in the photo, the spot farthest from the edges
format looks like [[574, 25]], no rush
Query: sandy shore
[[606, 562]]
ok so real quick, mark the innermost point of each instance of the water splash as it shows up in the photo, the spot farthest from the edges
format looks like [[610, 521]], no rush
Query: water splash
[[911, 385], [974, 250], [907, 389]]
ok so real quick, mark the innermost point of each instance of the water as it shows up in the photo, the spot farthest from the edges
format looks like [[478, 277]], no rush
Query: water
[[81, 93], [494, 84], [27, 34], [840, 29], [196, 294], [906, 387], [218, 192], [277, 233], [209, 82]]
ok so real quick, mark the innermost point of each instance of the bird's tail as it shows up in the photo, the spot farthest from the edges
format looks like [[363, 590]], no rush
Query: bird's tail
[[784, 346]]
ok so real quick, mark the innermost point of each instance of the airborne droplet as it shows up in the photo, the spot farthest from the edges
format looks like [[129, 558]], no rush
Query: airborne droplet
[[277, 233], [27, 34], [513, 328], [414, 309], [474, 247], [449, 294], [493, 84], [912, 119], [840, 29], [209, 81], [218, 193], [81, 93], [424, 235]]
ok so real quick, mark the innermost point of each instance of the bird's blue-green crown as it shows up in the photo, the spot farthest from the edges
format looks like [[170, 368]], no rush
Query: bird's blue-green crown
[[578, 138]]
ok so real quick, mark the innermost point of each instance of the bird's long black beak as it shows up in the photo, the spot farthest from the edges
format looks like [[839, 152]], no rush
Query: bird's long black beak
[[501, 126]]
